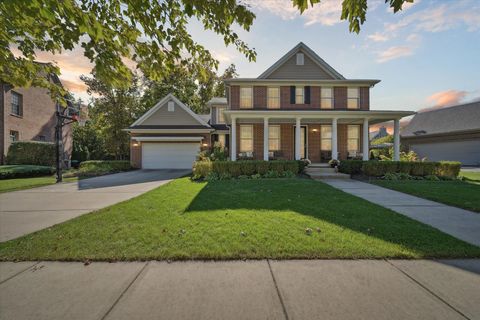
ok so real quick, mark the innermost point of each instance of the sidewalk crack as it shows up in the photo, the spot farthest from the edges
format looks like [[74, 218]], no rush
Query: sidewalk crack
[[278, 290], [22, 271]]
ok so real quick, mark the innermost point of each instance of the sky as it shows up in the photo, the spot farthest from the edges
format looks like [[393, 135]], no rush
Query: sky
[[426, 56]]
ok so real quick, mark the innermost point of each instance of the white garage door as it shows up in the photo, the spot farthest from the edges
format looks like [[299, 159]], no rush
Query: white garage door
[[169, 155]]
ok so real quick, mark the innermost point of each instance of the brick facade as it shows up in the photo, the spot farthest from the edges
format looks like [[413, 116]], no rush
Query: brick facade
[[235, 97], [365, 98]]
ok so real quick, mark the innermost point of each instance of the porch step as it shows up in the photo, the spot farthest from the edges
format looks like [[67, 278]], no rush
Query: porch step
[[319, 165], [325, 173], [319, 170]]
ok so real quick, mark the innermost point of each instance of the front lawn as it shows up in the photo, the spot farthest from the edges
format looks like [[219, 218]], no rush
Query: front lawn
[[8, 185], [460, 194], [239, 219], [472, 176]]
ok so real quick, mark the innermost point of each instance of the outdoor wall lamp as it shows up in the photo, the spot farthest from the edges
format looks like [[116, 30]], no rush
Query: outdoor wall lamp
[[205, 144], [135, 144], [314, 130]]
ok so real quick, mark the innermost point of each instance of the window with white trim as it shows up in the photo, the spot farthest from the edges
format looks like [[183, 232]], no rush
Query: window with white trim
[[246, 138], [273, 138], [171, 106], [220, 116], [246, 97], [353, 138], [326, 98], [16, 104], [326, 138], [273, 97], [353, 98], [299, 95]]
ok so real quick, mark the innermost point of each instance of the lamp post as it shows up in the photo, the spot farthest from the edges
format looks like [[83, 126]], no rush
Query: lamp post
[[63, 119]]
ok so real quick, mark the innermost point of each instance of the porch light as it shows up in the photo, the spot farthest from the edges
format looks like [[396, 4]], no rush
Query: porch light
[[135, 144], [205, 144], [314, 130]]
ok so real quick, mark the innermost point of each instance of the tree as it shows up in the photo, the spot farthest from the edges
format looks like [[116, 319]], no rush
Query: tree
[[153, 34], [355, 11], [87, 143], [229, 73], [112, 110]]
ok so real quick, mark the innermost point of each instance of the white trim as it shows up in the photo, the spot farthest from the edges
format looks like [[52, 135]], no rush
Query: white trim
[[141, 139], [161, 103]]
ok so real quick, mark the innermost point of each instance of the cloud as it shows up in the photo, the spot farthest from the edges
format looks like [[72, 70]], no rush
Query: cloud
[[394, 53], [74, 86], [446, 98], [325, 13], [378, 37]]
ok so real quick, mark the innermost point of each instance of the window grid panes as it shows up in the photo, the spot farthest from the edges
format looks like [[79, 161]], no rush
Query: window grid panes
[[246, 97], [246, 138], [220, 116], [16, 104], [274, 138], [273, 98], [353, 138], [353, 98], [326, 98], [326, 138], [299, 95]]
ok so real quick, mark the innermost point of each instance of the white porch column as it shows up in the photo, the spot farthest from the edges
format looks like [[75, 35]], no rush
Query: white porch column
[[396, 140], [334, 139], [265, 139], [366, 151], [297, 139], [233, 144]]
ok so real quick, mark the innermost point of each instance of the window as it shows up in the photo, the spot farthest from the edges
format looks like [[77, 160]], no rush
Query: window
[[326, 138], [273, 138], [273, 98], [326, 98], [42, 138], [171, 106], [246, 138], [246, 97], [353, 97], [14, 136], [300, 59], [220, 116], [353, 138], [16, 104], [221, 140], [299, 95]]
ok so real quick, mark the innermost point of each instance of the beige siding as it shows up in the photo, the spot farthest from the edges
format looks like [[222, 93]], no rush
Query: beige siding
[[164, 117], [290, 70]]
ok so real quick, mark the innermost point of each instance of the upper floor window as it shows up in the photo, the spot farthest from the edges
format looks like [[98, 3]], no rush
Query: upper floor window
[[326, 138], [273, 138], [16, 104], [326, 98], [14, 136], [246, 138], [299, 95], [273, 97], [300, 59], [353, 98], [42, 138], [220, 115], [246, 97], [353, 138]]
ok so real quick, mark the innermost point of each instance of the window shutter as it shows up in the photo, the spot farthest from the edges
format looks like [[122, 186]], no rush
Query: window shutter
[[307, 94], [292, 94]]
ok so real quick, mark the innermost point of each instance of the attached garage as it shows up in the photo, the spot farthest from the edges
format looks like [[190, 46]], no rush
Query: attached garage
[[169, 155]]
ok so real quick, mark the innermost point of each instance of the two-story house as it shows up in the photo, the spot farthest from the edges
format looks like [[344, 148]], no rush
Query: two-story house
[[298, 108]]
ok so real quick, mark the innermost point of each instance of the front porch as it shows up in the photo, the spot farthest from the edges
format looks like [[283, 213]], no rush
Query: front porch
[[315, 135]]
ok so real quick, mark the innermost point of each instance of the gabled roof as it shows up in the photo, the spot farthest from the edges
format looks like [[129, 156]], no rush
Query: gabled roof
[[311, 54], [217, 100], [161, 103], [459, 118]]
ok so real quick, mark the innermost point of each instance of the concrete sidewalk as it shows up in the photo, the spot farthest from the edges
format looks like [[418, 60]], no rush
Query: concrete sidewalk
[[460, 223], [26, 211], [263, 289]]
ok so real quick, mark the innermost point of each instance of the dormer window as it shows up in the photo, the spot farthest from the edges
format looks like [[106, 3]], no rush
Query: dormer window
[[220, 116], [171, 106], [300, 59]]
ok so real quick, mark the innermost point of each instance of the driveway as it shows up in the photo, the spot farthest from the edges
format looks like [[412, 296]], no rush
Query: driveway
[[23, 212]]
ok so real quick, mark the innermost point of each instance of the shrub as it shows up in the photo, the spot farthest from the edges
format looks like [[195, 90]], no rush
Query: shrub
[[350, 166], [291, 166], [449, 169], [31, 153], [416, 169], [99, 167], [379, 168], [262, 167], [24, 171], [248, 168], [277, 166], [201, 169]]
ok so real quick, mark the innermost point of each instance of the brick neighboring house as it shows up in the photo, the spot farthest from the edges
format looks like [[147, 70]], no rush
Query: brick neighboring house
[[298, 108], [28, 114]]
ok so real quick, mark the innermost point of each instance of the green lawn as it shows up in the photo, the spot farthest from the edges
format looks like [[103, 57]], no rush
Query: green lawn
[[471, 176], [455, 193], [7, 185], [238, 219]]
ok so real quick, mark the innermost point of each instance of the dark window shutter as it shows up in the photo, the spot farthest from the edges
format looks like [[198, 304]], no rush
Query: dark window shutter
[[307, 94], [292, 94]]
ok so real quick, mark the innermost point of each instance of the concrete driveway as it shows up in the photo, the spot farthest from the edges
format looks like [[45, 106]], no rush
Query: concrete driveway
[[23, 212]]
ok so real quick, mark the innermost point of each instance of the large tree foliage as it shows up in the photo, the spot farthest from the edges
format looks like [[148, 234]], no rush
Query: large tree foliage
[[152, 33], [355, 11]]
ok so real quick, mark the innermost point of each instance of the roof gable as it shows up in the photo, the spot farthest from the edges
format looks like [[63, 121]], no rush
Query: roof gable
[[159, 115], [314, 67]]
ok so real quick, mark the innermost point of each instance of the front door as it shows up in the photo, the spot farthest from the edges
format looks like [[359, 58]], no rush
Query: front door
[[303, 142]]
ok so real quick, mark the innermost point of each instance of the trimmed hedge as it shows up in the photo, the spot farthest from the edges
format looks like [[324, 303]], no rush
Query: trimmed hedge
[[235, 169], [98, 167], [448, 169], [31, 153], [24, 171]]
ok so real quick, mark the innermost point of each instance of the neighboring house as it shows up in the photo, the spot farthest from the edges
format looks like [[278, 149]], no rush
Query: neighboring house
[[451, 133], [298, 108], [380, 133], [28, 114]]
